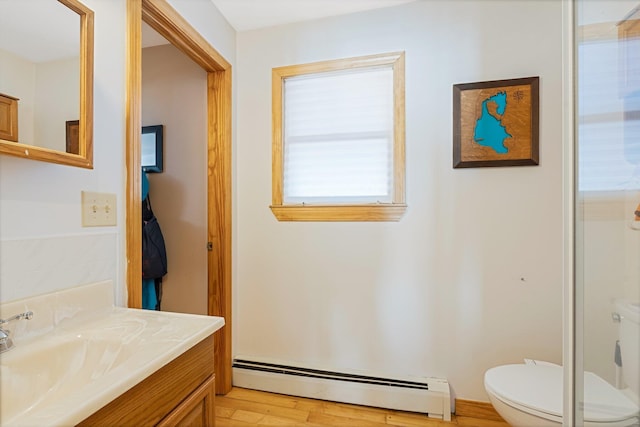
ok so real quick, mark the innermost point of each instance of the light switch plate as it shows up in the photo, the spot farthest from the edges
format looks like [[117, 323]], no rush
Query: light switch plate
[[98, 209]]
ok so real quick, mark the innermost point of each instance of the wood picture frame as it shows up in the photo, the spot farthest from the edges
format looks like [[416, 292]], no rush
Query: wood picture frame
[[73, 136], [496, 123]]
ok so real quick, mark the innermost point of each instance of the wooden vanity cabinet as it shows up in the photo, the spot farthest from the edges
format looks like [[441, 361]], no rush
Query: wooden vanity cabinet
[[180, 393], [197, 409]]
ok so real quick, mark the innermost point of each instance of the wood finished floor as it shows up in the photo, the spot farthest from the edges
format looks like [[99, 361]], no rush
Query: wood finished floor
[[242, 407]]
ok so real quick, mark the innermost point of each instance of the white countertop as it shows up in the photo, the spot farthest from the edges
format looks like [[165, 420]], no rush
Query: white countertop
[[79, 353]]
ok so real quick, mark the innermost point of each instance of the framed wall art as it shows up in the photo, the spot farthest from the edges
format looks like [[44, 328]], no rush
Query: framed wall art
[[495, 123], [152, 148]]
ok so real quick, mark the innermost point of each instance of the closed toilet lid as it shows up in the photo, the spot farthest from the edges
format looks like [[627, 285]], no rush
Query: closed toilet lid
[[539, 387]]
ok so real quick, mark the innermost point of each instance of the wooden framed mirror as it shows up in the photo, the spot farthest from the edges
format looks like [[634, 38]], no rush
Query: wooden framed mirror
[[46, 81]]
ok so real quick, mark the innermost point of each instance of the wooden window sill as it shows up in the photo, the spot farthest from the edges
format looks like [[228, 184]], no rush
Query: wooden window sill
[[364, 213]]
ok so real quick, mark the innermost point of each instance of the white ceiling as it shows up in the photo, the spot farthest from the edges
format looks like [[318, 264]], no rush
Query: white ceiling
[[151, 37], [246, 15]]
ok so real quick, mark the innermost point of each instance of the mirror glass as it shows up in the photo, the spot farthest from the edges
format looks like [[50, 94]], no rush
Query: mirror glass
[[46, 80]]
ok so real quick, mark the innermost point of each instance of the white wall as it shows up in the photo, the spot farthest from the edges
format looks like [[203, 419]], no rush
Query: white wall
[[174, 94], [471, 277], [40, 202], [48, 93], [17, 77], [205, 18], [57, 101]]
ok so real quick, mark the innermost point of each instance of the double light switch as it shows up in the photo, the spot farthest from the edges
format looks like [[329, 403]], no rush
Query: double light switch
[[98, 209]]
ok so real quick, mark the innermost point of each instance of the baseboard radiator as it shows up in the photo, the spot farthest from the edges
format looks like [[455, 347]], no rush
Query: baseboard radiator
[[430, 396]]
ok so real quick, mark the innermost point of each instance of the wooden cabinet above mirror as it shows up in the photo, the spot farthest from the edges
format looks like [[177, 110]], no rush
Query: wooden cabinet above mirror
[[46, 52]]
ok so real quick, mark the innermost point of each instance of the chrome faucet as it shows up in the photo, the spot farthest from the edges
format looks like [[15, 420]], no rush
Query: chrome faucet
[[5, 341]]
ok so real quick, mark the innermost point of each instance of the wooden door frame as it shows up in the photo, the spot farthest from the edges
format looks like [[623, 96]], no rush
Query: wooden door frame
[[159, 15]]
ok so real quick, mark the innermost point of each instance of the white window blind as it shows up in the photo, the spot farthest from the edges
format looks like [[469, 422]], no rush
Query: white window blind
[[338, 137], [609, 127]]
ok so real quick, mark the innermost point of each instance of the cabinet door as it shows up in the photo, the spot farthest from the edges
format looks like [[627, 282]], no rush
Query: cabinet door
[[196, 410], [8, 118]]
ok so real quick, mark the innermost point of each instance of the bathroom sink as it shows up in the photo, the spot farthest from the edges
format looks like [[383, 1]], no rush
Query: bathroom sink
[[79, 352], [37, 374]]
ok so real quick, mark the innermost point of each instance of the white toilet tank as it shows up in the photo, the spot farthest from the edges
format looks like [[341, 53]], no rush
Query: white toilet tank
[[629, 335]]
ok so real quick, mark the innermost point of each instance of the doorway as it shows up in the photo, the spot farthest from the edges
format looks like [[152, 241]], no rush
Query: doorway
[[160, 16], [174, 100]]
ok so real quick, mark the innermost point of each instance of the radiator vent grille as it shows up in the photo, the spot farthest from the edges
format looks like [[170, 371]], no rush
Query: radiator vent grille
[[430, 396], [327, 375]]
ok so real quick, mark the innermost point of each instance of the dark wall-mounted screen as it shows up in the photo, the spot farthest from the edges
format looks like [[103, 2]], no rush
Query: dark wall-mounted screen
[[152, 141]]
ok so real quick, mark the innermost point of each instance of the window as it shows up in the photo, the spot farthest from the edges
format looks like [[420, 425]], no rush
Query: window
[[338, 140], [609, 126]]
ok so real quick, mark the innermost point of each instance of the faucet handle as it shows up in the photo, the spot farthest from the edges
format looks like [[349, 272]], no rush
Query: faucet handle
[[27, 315], [6, 343]]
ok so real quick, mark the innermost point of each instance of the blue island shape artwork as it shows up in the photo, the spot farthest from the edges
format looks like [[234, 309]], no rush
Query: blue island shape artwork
[[489, 130]]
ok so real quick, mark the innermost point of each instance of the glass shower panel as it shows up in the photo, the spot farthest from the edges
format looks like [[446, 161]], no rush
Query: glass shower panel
[[608, 197]]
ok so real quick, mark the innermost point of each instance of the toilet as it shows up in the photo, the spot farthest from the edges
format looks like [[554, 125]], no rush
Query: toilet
[[530, 394]]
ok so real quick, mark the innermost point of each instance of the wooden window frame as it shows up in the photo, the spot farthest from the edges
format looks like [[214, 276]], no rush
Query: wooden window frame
[[340, 212]]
